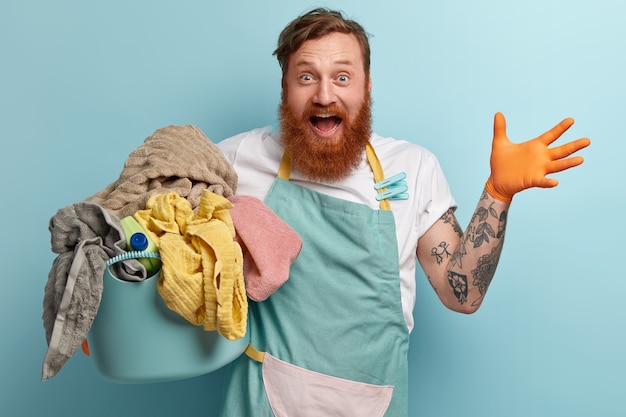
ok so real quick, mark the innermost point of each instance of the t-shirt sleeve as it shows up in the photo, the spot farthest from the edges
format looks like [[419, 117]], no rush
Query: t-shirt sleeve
[[230, 146], [435, 194]]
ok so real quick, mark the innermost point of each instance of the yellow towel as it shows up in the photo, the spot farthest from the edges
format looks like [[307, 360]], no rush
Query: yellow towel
[[202, 274]]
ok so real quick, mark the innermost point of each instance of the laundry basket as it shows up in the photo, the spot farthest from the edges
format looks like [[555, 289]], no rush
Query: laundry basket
[[136, 338]]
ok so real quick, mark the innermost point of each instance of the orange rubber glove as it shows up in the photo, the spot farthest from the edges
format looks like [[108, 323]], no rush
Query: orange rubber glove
[[516, 167]]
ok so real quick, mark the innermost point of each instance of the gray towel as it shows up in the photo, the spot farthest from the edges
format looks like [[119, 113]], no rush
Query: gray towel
[[85, 236]]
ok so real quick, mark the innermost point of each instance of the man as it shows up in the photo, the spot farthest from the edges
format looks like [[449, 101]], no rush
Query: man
[[333, 340]]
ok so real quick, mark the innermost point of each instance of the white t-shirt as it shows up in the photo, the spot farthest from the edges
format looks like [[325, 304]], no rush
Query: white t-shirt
[[255, 156]]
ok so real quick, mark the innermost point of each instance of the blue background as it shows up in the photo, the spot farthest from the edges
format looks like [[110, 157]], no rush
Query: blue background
[[82, 84]]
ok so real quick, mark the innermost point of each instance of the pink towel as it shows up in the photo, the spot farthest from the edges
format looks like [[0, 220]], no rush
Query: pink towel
[[269, 246]]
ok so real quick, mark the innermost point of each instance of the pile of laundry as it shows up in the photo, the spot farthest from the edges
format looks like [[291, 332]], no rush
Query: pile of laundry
[[217, 249]]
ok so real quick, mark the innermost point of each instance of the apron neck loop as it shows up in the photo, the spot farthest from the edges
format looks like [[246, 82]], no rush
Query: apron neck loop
[[377, 169], [284, 170]]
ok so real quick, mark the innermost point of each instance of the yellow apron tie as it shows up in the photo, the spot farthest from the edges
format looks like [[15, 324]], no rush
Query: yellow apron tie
[[377, 169], [284, 169], [254, 354]]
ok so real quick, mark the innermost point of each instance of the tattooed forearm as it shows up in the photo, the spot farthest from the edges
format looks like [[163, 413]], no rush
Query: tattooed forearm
[[481, 245]]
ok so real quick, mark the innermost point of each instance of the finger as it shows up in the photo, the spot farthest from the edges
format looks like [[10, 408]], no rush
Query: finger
[[569, 148], [556, 132], [563, 164], [547, 183], [499, 126]]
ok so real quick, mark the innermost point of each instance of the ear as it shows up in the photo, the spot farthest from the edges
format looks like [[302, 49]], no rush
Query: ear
[[283, 89], [369, 83], [283, 78]]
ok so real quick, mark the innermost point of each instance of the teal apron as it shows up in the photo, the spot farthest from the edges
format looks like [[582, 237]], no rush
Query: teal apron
[[332, 341]]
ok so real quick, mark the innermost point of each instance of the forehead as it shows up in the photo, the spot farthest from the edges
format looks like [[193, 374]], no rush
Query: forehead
[[332, 49]]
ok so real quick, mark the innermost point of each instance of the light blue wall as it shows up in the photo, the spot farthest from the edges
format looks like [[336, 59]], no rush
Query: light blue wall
[[83, 83]]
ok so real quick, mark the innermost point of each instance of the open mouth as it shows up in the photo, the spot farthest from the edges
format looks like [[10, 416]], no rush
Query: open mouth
[[325, 123]]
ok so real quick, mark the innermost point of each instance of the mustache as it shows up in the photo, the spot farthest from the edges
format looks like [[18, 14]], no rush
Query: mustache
[[315, 110]]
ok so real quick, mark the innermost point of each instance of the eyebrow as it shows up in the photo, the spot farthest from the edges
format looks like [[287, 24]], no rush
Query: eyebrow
[[305, 63]]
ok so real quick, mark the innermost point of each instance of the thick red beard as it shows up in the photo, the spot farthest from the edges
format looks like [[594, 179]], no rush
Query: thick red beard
[[325, 159]]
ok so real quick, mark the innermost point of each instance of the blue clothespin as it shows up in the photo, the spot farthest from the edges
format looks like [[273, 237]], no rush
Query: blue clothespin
[[395, 188], [401, 196], [397, 192], [389, 181]]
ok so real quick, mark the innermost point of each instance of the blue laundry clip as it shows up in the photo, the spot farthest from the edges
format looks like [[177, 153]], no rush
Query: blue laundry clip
[[395, 188], [390, 181], [396, 192], [401, 196]]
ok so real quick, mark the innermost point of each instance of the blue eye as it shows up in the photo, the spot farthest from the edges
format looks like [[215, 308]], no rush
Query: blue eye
[[306, 78], [343, 78]]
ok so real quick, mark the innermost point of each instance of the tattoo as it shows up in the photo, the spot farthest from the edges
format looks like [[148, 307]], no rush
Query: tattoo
[[457, 256], [458, 283], [485, 269], [481, 233], [439, 251], [448, 217]]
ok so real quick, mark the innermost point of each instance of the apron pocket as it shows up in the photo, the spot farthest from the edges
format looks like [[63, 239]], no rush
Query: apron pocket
[[294, 391]]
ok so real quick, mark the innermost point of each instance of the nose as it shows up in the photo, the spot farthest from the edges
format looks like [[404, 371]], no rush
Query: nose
[[325, 94]]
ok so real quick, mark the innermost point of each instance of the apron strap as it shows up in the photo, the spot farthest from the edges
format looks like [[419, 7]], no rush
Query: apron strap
[[255, 354], [284, 171], [377, 169]]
